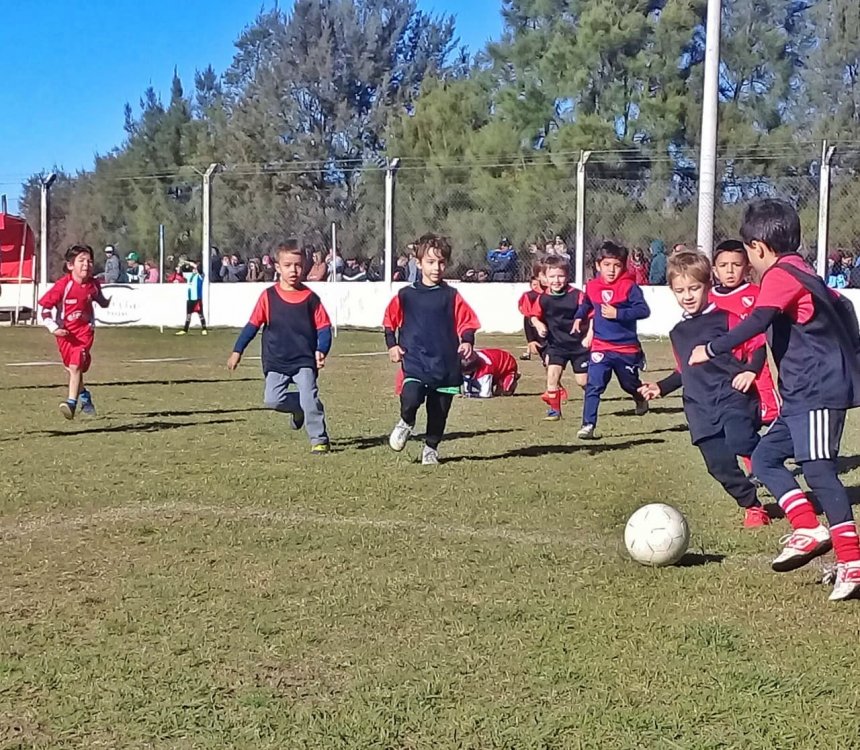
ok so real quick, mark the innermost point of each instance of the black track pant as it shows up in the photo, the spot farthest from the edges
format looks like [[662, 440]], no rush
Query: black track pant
[[438, 405]]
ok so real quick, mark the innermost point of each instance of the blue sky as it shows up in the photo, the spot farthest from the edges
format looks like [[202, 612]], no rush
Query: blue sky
[[68, 68]]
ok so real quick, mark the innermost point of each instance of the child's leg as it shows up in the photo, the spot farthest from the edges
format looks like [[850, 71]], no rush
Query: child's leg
[[579, 366], [411, 398], [202, 319], [599, 373], [309, 397], [626, 369], [76, 381], [722, 463], [438, 406], [553, 378], [277, 395]]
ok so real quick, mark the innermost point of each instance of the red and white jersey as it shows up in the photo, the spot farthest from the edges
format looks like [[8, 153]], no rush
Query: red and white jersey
[[738, 301], [69, 305], [496, 369]]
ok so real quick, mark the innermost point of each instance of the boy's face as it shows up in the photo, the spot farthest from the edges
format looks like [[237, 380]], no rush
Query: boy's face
[[432, 267], [81, 267], [556, 279], [542, 280], [289, 266], [731, 268], [692, 295], [610, 269]]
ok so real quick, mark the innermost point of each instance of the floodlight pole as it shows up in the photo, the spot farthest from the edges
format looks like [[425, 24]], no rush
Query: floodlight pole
[[44, 187], [579, 276], [390, 172], [205, 262], [710, 113], [827, 152]]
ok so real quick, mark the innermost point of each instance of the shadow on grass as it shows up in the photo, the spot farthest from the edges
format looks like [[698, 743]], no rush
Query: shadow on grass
[[124, 383], [661, 430], [697, 559], [538, 451], [195, 413], [374, 441], [122, 428]]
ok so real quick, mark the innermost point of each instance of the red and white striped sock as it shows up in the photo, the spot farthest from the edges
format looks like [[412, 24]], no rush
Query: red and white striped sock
[[846, 544], [798, 510]]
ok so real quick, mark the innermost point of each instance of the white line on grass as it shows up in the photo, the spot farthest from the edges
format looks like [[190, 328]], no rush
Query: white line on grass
[[31, 364], [154, 361]]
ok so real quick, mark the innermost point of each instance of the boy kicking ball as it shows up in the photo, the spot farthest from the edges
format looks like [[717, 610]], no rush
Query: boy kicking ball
[[67, 312], [296, 342], [720, 404], [429, 328]]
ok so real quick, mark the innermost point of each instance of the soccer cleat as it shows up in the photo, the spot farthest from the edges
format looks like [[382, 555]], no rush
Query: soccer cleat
[[180, 333], [320, 449], [204, 332], [67, 408], [586, 432], [399, 436], [297, 420], [641, 407], [429, 456], [525, 357], [87, 405], [552, 415], [756, 517], [802, 546], [847, 585]]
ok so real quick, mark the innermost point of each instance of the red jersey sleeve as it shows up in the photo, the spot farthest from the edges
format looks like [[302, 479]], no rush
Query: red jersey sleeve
[[779, 289], [52, 298], [260, 315], [529, 307], [464, 316], [321, 318], [746, 350], [393, 317]]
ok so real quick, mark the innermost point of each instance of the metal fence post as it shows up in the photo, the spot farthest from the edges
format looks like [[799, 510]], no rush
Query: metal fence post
[[44, 188], [205, 256], [824, 207], [580, 218], [390, 172]]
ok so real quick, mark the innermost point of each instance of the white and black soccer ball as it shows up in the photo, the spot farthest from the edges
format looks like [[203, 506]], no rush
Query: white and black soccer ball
[[657, 535]]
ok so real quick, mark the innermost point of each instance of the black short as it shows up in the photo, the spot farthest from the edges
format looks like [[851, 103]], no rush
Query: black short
[[578, 360], [194, 306]]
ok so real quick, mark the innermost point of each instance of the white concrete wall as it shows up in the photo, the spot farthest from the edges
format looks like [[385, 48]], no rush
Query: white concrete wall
[[358, 304]]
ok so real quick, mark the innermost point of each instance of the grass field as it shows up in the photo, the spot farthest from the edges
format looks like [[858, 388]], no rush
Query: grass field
[[180, 572]]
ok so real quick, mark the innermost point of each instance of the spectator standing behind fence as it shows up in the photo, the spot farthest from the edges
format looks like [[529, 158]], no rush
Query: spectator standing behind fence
[[268, 269], [113, 267], [503, 261], [134, 271], [318, 270], [255, 270], [335, 266], [215, 264], [559, 248], [638, 267], [837, 273], [150, 273], [354, 270], [232, 269], [657, 269]]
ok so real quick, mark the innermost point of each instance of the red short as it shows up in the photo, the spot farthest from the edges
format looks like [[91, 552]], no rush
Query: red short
[[75, 353], [194, 306]]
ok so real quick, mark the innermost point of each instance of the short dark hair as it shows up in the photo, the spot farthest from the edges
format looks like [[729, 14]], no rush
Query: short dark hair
[[436, 242], [774, 223], [75, 250], [555, 261], [611, 250], [730, 246], [290, 247]]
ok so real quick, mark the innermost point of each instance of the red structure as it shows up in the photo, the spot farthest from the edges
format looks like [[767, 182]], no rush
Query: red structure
[[17, 250]]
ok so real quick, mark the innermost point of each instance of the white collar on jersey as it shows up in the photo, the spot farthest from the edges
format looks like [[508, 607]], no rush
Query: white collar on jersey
[[709, 309]]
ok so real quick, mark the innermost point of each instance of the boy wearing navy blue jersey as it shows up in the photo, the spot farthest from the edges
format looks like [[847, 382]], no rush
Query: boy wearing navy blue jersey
[[296, 341], [814, 342], [720, 402], [429, 328], [616, 303]]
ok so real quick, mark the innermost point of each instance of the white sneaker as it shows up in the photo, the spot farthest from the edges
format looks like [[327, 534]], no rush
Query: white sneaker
[[802, 546], [399, 436], [586, 432], [430, 456], [847, 584]]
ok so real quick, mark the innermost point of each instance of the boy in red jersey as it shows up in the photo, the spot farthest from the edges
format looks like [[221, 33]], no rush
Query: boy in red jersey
[[429, 328], [616, 303], [488, 373], [736, 295], [552, 316], [296, 342], [67, 312], [814, 339]]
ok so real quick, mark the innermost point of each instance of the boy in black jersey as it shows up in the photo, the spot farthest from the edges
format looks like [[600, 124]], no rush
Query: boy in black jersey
[[428, 329], [720, 403], [552, 316]]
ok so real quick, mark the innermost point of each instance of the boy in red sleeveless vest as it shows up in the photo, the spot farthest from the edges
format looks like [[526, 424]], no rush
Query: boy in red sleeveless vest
[[296, 342], [67, 312]]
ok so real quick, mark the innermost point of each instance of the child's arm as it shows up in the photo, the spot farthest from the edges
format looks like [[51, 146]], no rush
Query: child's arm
[[467, 325], [636, 307], [324, 340], [391, 322], [584, 311], [100, 299], [259, 318], [664, 387], [49, 302]]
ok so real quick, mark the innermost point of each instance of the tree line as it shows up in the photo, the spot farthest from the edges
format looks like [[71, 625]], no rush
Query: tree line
[[318, 98]]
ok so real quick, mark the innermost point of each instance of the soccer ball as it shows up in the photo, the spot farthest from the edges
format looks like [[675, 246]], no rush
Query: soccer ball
[[657, 534]]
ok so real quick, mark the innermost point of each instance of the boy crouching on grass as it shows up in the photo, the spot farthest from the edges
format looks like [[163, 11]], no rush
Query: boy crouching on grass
[[67, 312], [720, 401], [296, 341], [428, 329]]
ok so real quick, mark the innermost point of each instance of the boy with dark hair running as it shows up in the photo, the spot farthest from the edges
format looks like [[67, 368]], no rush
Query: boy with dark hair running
[[67, 312], [735, 294], [552, 316], [814, 340], [428, 329], [616, 302], [296, 342], [720, 404]]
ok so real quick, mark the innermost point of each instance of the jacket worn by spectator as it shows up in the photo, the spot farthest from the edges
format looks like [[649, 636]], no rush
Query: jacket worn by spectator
[[657, 272], [503, 263], [113, 269]]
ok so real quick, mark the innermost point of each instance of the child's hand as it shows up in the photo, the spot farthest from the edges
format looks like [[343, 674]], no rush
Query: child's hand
[[61, 333], [395, 354], [465, 350], [320, 360], [649, 391], [534, 349], [609, 312], [577, 326], [743, 381], [233, 360], [588, 338], [699, 355]]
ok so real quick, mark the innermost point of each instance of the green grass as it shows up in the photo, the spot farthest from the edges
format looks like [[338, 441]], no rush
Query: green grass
[[181, 573]]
